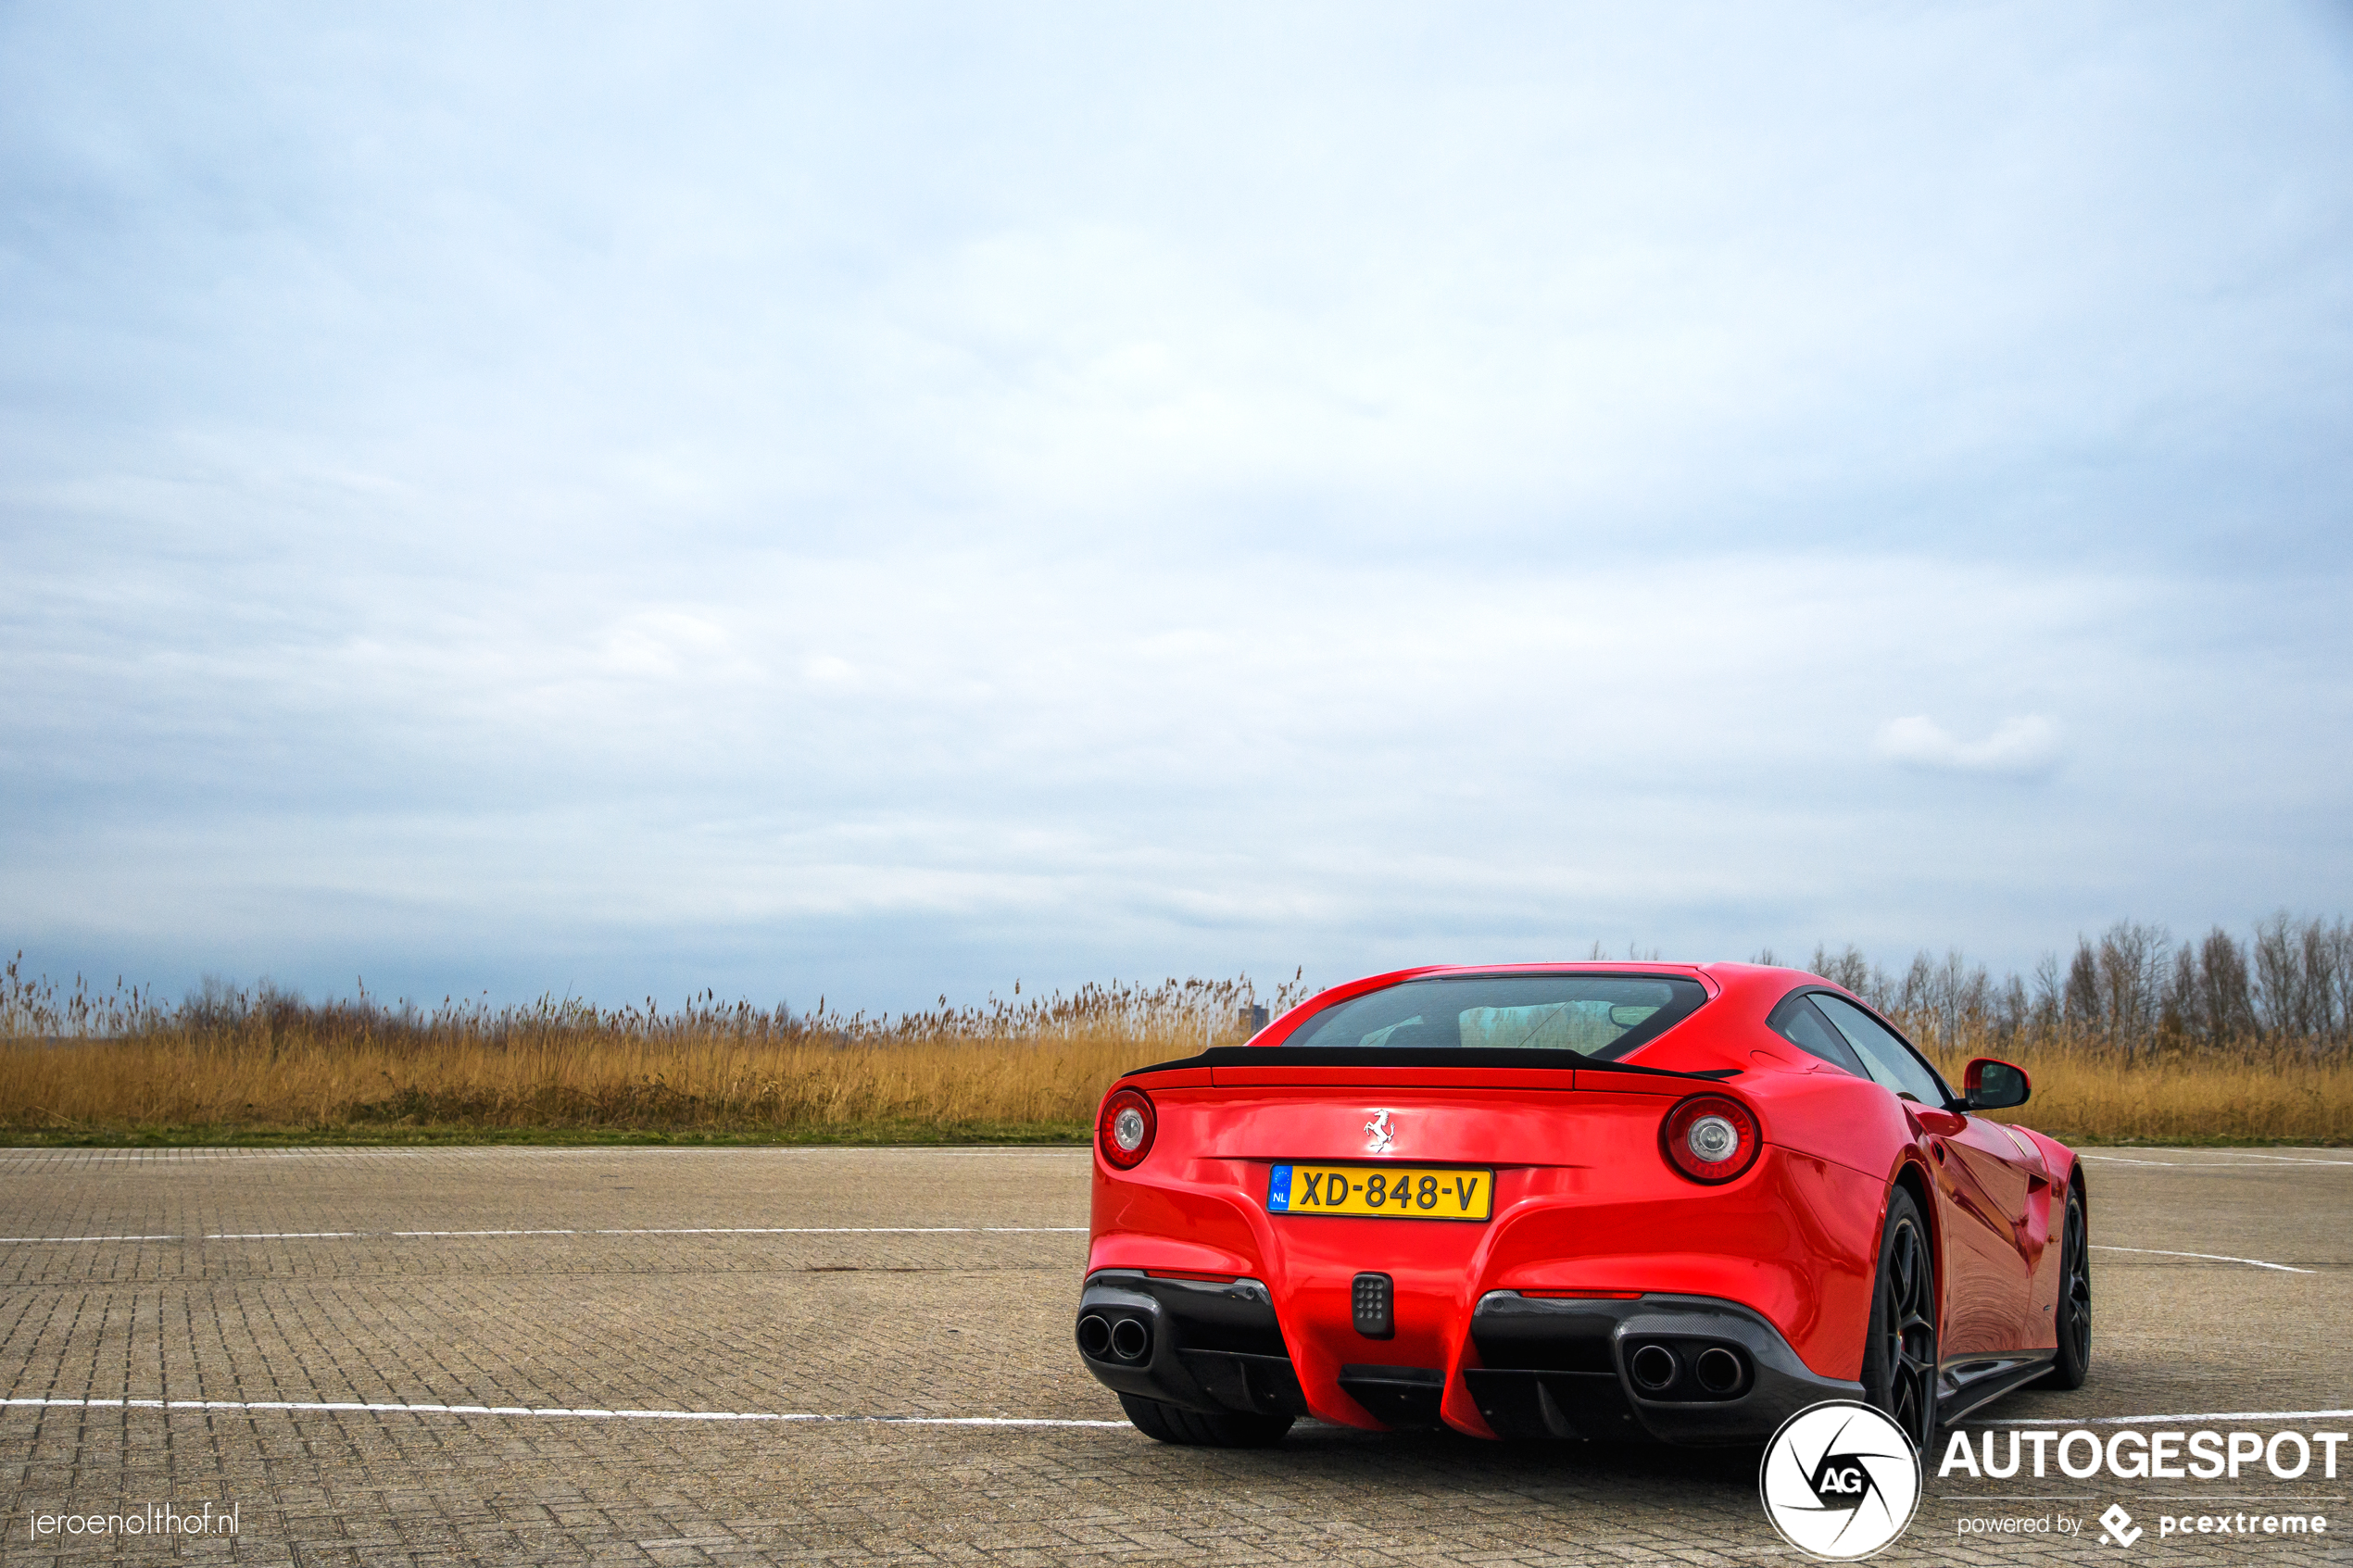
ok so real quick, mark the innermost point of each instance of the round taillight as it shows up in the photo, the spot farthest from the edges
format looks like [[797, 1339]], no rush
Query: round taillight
[[1125, 1128], [1710, 1138]]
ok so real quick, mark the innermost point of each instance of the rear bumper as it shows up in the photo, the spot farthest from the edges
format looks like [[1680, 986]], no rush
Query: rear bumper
[[1709, 1371], [1534, 1367], [1209, 1345]]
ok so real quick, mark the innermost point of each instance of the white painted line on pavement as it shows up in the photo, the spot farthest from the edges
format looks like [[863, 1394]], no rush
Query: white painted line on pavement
[[812, 1417], [2249, 1162], [550, 1411], [2244, 1150], [449, 1233], [2285, 1158], [691, 1230], [863, 1230], [5, 1240], [2208, 1257]]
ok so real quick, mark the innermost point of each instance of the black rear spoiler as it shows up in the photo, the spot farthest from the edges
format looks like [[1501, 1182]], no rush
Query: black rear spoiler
[[1407, 1056]]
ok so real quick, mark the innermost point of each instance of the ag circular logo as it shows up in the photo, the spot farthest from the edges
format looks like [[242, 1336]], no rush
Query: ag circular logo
[[1839, 1481]]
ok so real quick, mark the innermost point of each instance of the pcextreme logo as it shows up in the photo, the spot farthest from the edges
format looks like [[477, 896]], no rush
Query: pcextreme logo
[[1839, 1481]]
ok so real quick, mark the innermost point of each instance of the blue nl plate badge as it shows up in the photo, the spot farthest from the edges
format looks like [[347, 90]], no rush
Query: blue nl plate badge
[[1278, 1190]]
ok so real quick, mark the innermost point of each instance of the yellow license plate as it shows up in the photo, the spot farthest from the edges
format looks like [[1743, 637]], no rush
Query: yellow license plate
[[1389, 1192]]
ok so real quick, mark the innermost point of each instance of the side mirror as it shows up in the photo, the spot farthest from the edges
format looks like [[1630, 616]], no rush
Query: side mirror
[[1989, 1085]]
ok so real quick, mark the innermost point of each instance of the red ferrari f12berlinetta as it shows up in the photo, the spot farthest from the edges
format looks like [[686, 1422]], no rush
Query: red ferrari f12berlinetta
[[1656, 1202]]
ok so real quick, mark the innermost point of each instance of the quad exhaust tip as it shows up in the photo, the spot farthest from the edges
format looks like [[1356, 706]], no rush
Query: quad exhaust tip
[[1094, 1336], [1130, 1339], [1655, 1367], [1718, 1370]]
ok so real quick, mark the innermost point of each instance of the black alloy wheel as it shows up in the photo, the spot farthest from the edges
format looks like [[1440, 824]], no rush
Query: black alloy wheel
[[1226, 1429], [2074, 1363], [1899, 1359]]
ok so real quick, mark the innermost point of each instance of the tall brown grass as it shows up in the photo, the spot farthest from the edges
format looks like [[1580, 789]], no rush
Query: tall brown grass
[[227, 1063], [227, 1060], [2088, 1092]]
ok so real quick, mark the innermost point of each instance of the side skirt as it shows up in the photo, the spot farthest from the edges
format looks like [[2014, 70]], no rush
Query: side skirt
[[1968, 1383]]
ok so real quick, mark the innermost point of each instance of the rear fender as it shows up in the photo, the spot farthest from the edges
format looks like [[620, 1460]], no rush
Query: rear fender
[[1911, 1174], [2066, 1176], [2057, 1158]]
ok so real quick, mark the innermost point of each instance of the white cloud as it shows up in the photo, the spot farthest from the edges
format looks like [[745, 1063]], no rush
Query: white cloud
[[2024, 747], [662, 644]]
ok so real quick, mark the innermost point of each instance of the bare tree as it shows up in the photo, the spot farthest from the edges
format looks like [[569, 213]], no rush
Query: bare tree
[[2227, 1005], [2130, 970], [1847, 967], [2050, 1005], [2284, 1004], [2133, 989], [2319, 945], [2014, 1011], [2081, 1003]]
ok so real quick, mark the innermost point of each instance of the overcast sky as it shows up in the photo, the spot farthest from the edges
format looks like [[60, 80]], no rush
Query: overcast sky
[[883, 501]]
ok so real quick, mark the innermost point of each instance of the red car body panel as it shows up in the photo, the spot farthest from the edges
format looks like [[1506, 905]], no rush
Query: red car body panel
[[1585, 1203]]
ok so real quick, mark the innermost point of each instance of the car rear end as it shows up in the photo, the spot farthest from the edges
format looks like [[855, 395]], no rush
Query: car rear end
[[1514, 1241]]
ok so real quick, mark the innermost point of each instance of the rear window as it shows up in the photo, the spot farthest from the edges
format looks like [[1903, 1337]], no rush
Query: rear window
[[1599, 1016]]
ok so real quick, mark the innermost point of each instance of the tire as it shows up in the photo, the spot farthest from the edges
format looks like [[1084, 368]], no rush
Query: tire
[[2074, 1363], [1227, 1429], [1899, 1349]]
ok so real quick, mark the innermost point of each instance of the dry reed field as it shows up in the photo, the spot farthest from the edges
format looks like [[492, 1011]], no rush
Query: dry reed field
[[2131, 1045], [228, 1062]]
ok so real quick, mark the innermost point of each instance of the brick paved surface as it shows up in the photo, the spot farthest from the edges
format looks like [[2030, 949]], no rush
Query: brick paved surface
[[241, 1302]]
